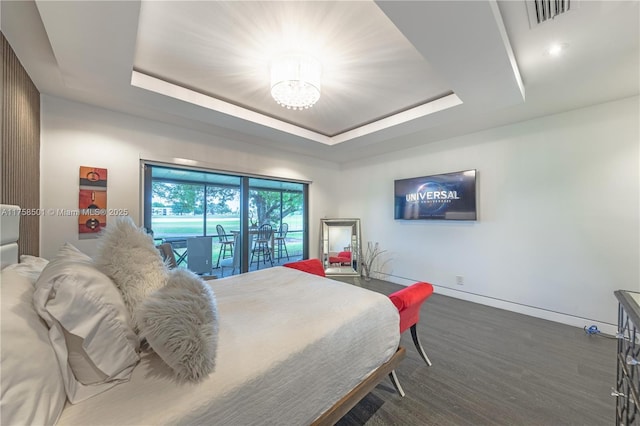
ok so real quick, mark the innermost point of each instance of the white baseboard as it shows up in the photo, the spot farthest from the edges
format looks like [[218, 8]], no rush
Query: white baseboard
[[605, 328]]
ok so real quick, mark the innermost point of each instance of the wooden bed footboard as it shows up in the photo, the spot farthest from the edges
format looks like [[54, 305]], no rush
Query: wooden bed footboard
[[347, 402]]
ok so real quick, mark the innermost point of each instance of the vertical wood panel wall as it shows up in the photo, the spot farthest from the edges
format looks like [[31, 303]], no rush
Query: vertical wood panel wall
[[20, 146]]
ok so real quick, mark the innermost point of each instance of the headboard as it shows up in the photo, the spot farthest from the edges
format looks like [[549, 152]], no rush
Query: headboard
[[9, 233]]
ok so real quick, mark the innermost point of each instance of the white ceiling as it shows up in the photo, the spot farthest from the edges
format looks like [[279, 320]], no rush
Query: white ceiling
[[363, 55], [390, 69]]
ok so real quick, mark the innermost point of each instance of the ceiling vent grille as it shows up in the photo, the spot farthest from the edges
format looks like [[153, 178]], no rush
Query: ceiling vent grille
[[541, 11]]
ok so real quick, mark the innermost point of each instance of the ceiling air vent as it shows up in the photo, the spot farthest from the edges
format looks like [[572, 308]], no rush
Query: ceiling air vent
[[545, 10]]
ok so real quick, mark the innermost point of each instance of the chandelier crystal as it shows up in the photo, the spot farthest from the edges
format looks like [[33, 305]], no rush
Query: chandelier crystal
[[295, 81]]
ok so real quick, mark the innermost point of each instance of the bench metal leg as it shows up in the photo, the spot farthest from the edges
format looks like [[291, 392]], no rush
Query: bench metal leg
[[416, 341], [396, 382]]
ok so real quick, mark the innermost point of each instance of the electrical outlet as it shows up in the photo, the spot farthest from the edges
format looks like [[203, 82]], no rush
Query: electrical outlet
[[459, 280]]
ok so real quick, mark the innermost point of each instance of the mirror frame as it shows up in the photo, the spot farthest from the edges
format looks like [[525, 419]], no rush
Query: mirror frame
[[325, 244]]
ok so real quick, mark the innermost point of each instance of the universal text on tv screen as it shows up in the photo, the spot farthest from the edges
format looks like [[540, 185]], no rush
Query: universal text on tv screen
[[447, 196]]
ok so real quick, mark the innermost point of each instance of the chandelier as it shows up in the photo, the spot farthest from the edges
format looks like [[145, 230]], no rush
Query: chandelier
[[295, 81]]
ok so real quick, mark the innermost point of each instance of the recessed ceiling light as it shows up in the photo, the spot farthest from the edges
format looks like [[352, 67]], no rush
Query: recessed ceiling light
[[556, 49]]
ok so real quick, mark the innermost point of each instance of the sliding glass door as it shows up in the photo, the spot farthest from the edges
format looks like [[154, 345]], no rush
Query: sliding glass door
[[281, 205], [252, 223]]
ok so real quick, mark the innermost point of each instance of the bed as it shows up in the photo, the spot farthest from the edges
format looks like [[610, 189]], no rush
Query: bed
[[293, 348]]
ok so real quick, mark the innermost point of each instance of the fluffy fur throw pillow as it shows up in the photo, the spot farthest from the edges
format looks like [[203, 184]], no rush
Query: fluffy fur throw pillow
[[180, 323], [128, 256]]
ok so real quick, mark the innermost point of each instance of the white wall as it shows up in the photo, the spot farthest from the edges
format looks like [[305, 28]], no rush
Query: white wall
[[74, 135], [558, 225]]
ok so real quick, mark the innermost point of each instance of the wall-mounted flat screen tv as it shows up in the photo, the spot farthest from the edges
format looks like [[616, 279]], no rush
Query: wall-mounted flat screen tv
[[448, 196]]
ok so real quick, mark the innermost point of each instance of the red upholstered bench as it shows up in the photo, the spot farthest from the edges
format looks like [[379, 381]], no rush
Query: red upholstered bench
[[408, 301], [312, 266], [344, 257], [338, 259]]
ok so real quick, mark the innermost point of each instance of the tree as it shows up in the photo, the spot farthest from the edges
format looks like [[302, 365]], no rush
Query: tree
[[183, 198], [218, 200], [264, 206]]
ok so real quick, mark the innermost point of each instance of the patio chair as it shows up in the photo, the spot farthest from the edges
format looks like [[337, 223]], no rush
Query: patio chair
[[280, 242], [261, 249], [225, 244], [168, 256]]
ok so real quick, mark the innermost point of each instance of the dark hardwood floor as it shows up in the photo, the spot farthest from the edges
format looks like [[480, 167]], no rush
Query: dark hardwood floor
[[493, 367]]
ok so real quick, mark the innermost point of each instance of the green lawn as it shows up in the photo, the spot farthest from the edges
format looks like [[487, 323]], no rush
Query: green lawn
[[190, 226]]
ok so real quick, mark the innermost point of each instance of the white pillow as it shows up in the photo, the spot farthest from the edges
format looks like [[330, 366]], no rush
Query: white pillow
[[126, 253], [29, 266], [32, 386], [89, 325]]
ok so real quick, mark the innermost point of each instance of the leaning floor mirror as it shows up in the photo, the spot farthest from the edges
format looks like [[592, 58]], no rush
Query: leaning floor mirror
[[340, 246]]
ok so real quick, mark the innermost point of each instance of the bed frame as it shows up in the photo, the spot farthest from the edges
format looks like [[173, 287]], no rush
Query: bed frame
[[347, 402]]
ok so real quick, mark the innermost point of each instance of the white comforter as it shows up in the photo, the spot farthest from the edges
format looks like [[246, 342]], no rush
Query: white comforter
[[291, 344]]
